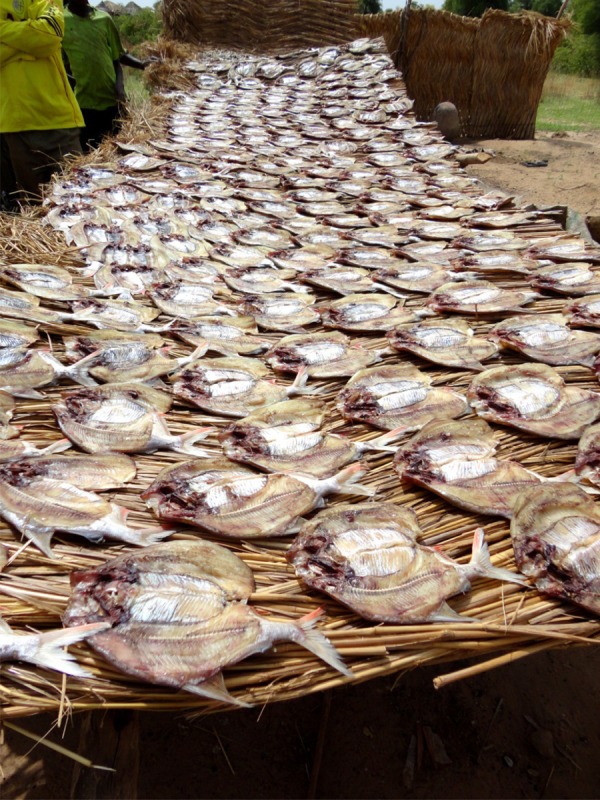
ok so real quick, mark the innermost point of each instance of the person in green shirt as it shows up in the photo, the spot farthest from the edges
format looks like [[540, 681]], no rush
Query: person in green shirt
[[94, 55]]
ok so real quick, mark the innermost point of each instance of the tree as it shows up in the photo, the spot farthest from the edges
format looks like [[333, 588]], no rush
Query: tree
[[474, 8], [587, 14], [145, 26], [369, 7]]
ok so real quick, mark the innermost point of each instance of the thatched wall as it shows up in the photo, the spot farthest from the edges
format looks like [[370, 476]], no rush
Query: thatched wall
[[493, 69], [258, 25]]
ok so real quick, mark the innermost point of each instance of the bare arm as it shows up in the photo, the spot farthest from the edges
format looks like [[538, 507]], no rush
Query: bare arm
[[119, 83], [131, 61]]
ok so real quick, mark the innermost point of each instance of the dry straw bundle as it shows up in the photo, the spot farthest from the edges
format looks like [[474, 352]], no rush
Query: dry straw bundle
[[264, 27], [512, 622]]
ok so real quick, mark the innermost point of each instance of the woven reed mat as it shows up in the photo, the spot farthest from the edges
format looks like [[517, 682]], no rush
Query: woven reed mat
[[511, 622]]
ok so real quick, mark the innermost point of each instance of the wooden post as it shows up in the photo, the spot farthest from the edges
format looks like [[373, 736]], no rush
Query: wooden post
[[562, 9], [110, 738]]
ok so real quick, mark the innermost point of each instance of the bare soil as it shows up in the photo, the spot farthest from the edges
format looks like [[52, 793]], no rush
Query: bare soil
[[530, 729]]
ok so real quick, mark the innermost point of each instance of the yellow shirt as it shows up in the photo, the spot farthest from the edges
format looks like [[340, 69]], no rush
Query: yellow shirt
[[34, 90]]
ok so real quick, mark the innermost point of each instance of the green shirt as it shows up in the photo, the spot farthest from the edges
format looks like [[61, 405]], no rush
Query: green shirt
[[92, 43]]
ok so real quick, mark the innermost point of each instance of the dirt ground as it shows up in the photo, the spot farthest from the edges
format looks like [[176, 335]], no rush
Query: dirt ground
[[530, 729]]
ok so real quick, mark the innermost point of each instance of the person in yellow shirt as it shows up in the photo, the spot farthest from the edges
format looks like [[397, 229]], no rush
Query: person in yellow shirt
[[39, 115]]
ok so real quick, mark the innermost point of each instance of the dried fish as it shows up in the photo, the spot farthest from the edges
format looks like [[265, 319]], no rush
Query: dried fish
[[555, 533], [456, 461], [99, 472], [15, 334], [533, 398], [547, 339], [397, 397], [43, 281], [322, 355], [173, 610], [286, 437], [235, 502], [186, 300], [367, 557], [22, 371], [232, 387], [587, 464], [365, 312], [451, 343], [585, 311], [567, 278], [478, 297], [281, 313], [39, 507], [262, 280], [122, 419], [419, 276]]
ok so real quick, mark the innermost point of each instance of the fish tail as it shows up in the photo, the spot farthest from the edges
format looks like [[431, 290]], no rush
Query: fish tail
[[299, 384], [481, 565], [51, 655], [79, 372], [309, 637], [187, 441], [382, 442], [55, 447], [345, 481], [143, 537], [198, 353]]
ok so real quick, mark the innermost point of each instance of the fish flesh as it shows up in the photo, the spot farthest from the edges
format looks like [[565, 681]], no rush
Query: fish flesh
[[232, 386], [46, 649], [235, 502], [42, 280], [547, 338], [286, 437], [397, 397], [555, 533], [419, 276], [121, 419], [367, 557], [456, 460], [178, 615], [14, 334], [322, 355], [262, 280], [16, 449], [449, 342], [533, 398], [186, 300]]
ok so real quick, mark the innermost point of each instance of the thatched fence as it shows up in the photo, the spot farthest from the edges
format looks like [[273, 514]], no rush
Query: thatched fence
[[258, 25], [493, 68]]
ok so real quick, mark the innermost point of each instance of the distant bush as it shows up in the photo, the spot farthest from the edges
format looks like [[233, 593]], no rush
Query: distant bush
[[579, 54], [145, 26]]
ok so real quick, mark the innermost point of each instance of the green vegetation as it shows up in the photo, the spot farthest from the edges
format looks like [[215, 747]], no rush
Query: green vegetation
[[569, 103], [369, 7], [145, 26], [474, 8]]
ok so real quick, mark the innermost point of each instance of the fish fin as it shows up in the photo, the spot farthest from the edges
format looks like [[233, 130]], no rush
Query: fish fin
[[481, 565], [318, 643], [78, 372], [445, 613], [215, 689], [40, 535], [345, 481], [185, 443], [51, 655], [55, 447], [198, 353], [394, 292], [29, 394]]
